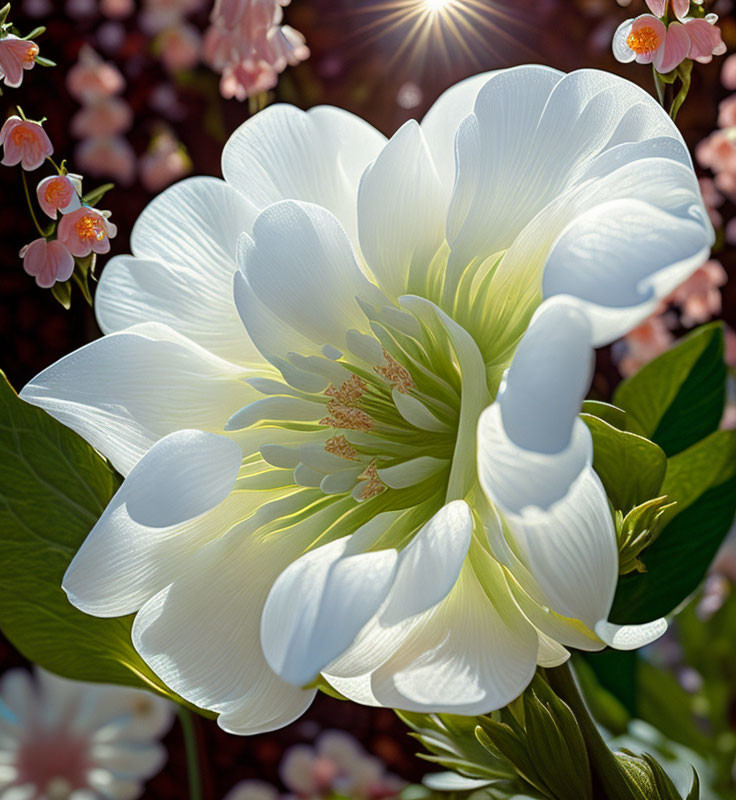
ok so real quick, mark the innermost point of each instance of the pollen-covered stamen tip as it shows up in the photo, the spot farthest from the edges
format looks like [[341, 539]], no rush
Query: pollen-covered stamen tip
[[644, 40], [397, 375], [340, 446], [373, 485], [347, 417], [349, 392]]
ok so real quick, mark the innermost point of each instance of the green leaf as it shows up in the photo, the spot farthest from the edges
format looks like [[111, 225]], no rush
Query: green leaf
[[53, 488], [684, 72], [702, 480], [678, 398], [63, 293], [95, 195], [631, 467], [614, 416]]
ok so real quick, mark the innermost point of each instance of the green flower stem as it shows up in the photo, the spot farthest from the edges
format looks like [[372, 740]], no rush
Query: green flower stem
[[30, 204], [602, 760], [189, 731]]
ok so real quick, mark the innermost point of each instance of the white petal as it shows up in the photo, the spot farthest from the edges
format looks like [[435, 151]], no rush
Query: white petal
[[625, 255], [548, 379], [283, 153], [125, 391], [156, 522], [129, 760], [494, 196], [630, 637], [441, 122], [558, 515], [621, 50], [181, 272], [200, 634], [401, 211], [300, 264], [465, 658], [318, 605], [430, 565]]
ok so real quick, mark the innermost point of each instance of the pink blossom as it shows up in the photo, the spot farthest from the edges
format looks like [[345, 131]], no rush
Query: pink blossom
[[713, 200], [731, 231], [647, 40], [658, 7], [107, 156], [15, 56], [652, 338], [24, 141], [59, 193], [158, 15], [48, 262], [728, 72], [92, 79], [718, 151], [727, 112], [699, 297], [165, 162], [105, 117], [86, 231], [117, 9], [245, 78], [180, 47]]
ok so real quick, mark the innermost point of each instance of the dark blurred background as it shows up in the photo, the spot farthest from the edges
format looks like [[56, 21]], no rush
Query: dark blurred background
[[360, 60]]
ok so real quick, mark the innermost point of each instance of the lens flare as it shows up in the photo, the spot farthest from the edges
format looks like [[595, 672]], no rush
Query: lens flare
[[448, 28]]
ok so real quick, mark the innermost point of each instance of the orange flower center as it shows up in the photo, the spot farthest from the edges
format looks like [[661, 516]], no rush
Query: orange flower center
[[56, 191], [22, 134], [644, 40], [31, 53], [90, 227]]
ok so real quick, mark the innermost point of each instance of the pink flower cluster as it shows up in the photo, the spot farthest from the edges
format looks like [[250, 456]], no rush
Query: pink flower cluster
[[248, 44], [176, 41], [81, 230], [165, 162], [336, 766], [103, 119], [655, 39], [718, 153]]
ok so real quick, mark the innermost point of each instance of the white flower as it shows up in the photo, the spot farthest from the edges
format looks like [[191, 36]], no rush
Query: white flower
[[331, 469], [66, 740]]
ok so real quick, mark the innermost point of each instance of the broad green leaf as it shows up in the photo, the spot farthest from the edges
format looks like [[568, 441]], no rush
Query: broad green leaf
[[614, 416], [678, 398], [631, 467], [702, 480], [53, 488]]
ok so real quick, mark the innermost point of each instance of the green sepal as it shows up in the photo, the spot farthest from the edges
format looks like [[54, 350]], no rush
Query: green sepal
[[4, 11], [94, 196], [500, 740], [639, 529], [679, 398], [54, 487], [45, 62], [452, 742], [684, 72], [631, 467], [35, 33], [62, 292]]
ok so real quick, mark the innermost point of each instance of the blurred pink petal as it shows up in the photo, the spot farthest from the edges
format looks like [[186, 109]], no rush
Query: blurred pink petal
[[728, 72], [86, 231], [15, 56], [252, 790], [246, 78], [48, 262], [109, 157], [731, 231], [117, 9], [699, 297], [727, 112], [92, 79], [165, 162], [25, 142], [58, 193], [105, 117], [180, 47], [652, 338], [657, 7]]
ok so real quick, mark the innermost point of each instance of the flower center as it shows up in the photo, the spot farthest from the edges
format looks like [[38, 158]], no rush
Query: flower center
[[90, 226], [57, 192], [644, 40], [386, 427], [31, 53], [23, 134]]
